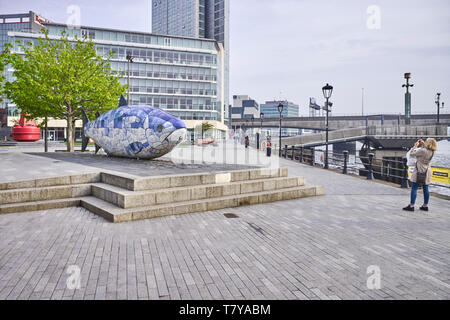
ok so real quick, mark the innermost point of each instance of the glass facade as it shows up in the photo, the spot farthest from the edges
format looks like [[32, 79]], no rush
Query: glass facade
[[198, 19], [179, 75], [219, 20], [8, 23], [22, 22], [5, 27], [201, 19], [270, 109], [174, 17]]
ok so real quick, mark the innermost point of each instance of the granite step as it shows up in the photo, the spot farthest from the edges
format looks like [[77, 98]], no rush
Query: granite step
[[44, 193], [192, 179], [114, 213], [82, 178], [131, 199], [39, 205]]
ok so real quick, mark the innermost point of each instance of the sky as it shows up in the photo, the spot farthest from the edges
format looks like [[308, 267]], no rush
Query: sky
[[289, 49]]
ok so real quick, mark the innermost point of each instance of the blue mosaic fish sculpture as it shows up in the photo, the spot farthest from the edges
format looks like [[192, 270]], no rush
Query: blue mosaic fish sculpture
[[139, 131]]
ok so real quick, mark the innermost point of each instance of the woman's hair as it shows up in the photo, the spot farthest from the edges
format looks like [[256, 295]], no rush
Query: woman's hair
[[430, 144]]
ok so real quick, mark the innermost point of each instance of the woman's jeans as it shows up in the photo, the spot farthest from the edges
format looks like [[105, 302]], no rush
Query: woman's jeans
[[426, 193]]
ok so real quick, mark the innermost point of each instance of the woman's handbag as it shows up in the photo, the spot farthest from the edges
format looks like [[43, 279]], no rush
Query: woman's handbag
[[421, 177]]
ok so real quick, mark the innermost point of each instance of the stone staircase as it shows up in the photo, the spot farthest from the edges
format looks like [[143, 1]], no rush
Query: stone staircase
[[121, 197]]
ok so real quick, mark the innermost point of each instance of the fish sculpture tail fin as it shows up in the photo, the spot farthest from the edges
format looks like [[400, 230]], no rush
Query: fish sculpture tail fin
[[84, 143]]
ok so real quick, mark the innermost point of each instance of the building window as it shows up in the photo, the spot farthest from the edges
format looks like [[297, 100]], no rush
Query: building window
[[90, 34], [167, 42]]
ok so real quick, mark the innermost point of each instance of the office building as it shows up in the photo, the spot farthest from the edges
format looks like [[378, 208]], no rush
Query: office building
[[181, 75], [270, 109], [290, 109], [199, 19], [26, 22], [244, 107]]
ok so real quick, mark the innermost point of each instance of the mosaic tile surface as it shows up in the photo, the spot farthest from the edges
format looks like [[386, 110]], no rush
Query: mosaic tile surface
[[137, 131]]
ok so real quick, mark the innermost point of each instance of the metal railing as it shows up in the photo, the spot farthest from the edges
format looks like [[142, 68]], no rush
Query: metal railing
[[390, 170]]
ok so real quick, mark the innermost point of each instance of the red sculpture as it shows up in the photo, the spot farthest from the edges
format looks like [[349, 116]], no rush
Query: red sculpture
[[26, 130]]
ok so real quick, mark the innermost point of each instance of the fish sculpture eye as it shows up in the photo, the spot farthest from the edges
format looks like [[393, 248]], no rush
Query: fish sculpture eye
[[159, 128]]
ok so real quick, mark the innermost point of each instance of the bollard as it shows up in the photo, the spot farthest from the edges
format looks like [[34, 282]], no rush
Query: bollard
[[301, 155], [293, 153], [405, 173], [268, 150], [344, 171], [285, 151], [313, 158], [369, 172]]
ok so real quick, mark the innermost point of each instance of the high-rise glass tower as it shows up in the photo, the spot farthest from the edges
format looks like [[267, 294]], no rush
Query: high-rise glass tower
[[181, 75], [197, 19]]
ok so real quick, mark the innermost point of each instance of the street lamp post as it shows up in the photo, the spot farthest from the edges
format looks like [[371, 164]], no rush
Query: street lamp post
[[253, 119], [407, 99], [438, 104], [327, 91], [259, 134], [252, 131], [280, 110], [261, 117], [130, 60]]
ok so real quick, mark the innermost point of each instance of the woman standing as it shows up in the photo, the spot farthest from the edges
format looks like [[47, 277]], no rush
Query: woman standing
[[423, 152]]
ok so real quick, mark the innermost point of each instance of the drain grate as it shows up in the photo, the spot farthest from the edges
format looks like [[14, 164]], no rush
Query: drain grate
[[230, 215]]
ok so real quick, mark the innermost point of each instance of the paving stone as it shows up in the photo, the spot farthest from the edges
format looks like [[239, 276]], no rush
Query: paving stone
[[311, 248]]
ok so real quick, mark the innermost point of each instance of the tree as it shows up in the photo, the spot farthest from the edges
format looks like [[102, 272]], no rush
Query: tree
[[60, 77], [2, 70], [206, 126]]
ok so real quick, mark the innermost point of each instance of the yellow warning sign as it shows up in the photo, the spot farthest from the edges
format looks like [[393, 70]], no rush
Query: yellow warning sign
[[438, 174]]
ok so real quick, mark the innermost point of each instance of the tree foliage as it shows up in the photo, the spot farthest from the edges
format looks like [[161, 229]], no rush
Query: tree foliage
[[2, 75], [58, 77], [206, 126]]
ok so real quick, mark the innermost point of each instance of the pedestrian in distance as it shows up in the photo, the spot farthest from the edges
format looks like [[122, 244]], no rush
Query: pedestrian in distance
[[268, 148], [421, 175]]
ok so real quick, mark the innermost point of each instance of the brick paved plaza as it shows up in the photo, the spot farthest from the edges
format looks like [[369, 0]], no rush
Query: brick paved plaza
[[310, 248]]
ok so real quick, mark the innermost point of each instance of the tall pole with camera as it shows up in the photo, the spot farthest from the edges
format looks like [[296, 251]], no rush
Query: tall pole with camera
[[407, 99], [438, 104]]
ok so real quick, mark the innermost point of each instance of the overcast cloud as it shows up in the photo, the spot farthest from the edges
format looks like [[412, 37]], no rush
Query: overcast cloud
[[289, 48]]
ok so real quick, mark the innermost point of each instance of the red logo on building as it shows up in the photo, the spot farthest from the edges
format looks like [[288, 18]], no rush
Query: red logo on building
[[39, 19]]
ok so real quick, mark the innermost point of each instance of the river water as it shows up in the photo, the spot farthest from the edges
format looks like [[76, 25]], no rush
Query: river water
[[441, 158]]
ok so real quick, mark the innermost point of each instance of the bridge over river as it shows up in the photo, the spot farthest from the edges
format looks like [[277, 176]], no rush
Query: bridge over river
[[342, 122], [381, 137]]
